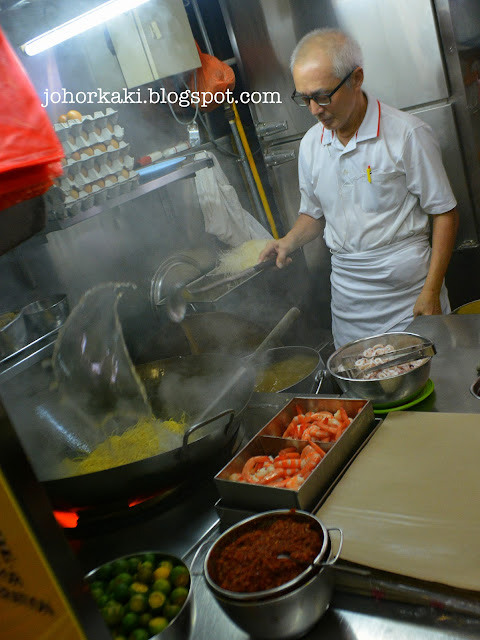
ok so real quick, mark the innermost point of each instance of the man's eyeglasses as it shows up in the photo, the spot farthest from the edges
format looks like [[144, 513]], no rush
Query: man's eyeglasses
[[322, 99]]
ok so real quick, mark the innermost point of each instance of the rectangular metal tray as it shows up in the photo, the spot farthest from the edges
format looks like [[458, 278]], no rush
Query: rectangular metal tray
[[241, 495]]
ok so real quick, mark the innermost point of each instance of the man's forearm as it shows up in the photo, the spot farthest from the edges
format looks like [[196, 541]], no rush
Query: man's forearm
[[444, 232], [304, 230]]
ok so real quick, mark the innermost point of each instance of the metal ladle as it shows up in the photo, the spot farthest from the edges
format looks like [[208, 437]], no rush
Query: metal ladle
[[177, 301]]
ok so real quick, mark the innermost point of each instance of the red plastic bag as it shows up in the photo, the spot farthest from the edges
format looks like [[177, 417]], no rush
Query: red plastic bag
[[30, 151], [214, 77]]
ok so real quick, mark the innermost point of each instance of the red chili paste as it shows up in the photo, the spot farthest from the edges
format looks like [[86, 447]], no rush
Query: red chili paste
[[267, 557]]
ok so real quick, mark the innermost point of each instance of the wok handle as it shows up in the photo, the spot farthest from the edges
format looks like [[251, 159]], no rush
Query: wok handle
[[195, 427]]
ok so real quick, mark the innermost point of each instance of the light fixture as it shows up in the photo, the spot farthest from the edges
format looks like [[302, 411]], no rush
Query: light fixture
[[78, 25]]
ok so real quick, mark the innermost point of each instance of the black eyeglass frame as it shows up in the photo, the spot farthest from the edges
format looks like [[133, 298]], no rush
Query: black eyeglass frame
[[316, 96]]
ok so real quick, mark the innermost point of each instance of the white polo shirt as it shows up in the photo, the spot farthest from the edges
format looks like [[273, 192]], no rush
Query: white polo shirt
[[377, 189]]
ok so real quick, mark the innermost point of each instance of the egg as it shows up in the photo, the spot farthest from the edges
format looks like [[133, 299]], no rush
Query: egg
[[74, 193], [74, 115], [114, 143], [100, 183], [110, 127], [75, 155], [111, 178], [101, 147], [84, 172], [98, 131], [88, 151], [62, 117], [84, 135], [125, 173], [88, 188]]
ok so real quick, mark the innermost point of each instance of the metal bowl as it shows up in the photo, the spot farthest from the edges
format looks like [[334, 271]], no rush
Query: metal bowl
[[43, 316], [288, 611], [180, 626], [13, 335], [299, 382], [384, 392]]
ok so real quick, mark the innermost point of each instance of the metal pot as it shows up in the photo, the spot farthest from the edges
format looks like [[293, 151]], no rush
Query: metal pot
[[384, 392], [302, 383], [289, 611], [176, 385]]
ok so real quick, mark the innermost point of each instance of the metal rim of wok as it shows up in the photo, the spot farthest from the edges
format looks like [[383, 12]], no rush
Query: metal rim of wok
[[164, 470]]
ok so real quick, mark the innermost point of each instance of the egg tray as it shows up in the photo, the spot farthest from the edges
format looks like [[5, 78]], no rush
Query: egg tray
[[97, 167], [61, 207], [268, 441]]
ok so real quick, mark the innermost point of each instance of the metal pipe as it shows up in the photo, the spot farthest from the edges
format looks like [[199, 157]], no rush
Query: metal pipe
[[248, 174], [201, 24]]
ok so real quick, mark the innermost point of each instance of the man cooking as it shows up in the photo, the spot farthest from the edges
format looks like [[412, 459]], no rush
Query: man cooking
[[375, 175]]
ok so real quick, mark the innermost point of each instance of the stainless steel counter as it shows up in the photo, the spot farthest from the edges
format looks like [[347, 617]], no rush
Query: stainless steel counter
[[191, 517], [454, 367], [351, 617]]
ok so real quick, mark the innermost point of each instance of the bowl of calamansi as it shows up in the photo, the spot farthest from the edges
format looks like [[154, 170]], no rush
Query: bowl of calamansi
[[143, 595]]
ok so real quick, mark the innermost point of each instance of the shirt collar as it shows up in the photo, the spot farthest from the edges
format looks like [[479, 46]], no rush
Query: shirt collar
[[369, 127]]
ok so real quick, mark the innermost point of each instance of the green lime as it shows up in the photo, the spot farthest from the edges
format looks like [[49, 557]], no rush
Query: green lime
[[120, 566], [97, 584], [139, 634], [129, 622], [103, 600], [180, 576], [123, 577], [104, 572], [145, 571], [170, 610], [144, 619], [156, 600], [162, 585], [138, 603], [97, 594], [112, 613], [157, 625], [148, 557], [133, 563], [138, 587], [121, 592], [179, 595]]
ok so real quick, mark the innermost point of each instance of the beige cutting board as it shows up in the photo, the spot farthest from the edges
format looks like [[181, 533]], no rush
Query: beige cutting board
[[410, 501]]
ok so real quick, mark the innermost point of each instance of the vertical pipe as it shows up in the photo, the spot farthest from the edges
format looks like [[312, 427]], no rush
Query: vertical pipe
[[201, 24], [251, 182]]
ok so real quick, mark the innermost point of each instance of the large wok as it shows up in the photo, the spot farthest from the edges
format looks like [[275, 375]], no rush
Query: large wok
[[175, 385]]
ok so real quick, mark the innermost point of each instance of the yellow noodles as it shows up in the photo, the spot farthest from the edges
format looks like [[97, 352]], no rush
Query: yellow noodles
[[147, 438], [241, 257]]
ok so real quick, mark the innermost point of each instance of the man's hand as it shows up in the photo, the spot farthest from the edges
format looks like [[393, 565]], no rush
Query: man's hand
[[278, 247], [304, 230], [427, 304]]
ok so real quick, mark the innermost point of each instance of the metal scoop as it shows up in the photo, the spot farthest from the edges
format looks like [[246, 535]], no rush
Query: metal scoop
[[177, 301]]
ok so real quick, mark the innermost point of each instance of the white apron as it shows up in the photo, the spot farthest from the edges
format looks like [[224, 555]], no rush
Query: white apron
[[375, 291]]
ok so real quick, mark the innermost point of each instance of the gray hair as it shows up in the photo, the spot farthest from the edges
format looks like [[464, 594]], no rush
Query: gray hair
[[343, 50]]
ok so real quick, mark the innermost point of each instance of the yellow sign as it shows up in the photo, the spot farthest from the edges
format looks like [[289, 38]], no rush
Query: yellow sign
[[32, 604]]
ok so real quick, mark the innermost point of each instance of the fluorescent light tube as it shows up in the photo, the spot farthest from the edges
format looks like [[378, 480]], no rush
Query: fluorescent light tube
[[83, 23]]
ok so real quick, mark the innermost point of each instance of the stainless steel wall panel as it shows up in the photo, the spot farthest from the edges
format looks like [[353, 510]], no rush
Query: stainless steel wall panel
[[402, 56], [442, 121], [395, 49]]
